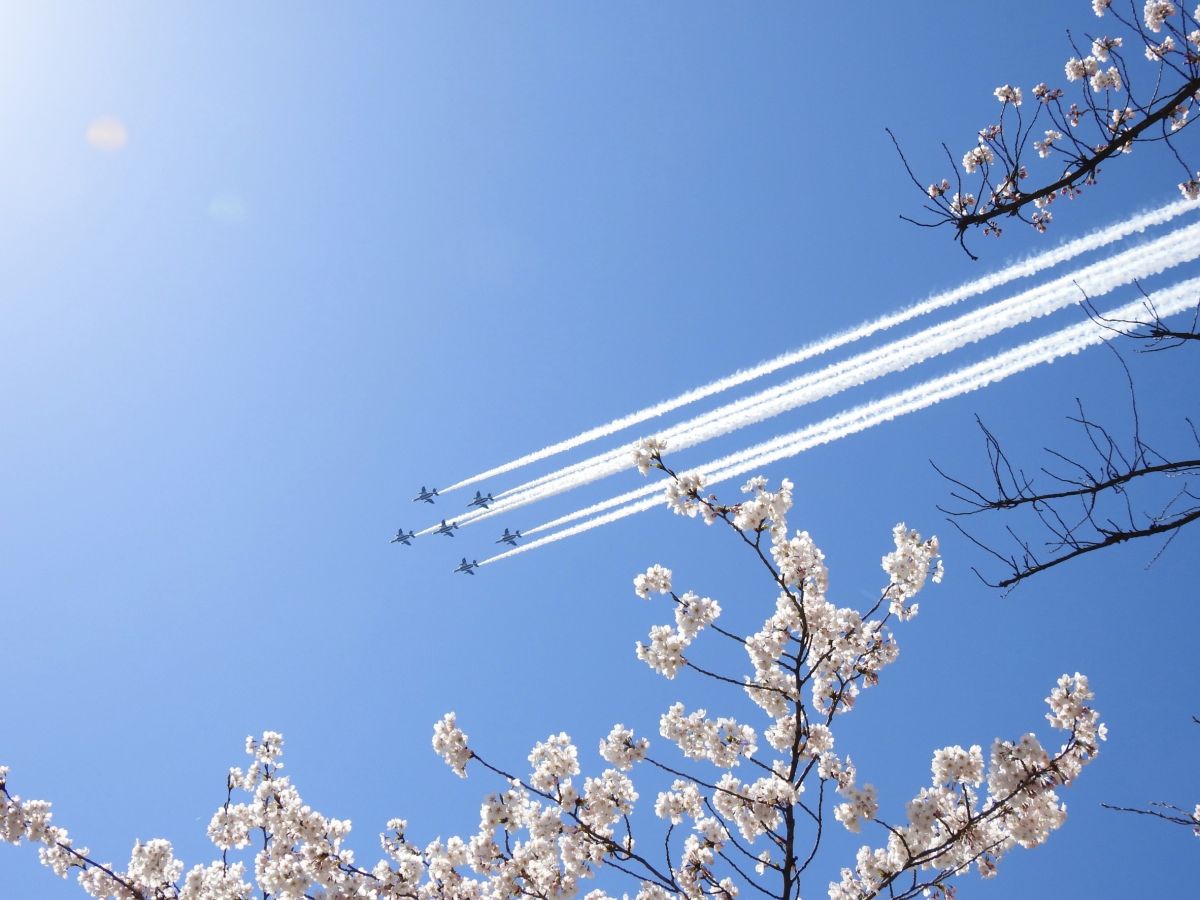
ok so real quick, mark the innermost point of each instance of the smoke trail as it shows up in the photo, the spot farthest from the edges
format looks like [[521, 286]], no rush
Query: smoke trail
[[1030, 266], [1097, 279], [1067, 341]]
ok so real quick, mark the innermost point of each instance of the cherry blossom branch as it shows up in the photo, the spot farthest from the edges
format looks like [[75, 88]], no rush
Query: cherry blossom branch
[[82, 859], [1117, 120], [612, 846]]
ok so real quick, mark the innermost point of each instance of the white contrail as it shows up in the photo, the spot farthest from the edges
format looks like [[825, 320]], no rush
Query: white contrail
[[1067, 341], [1139, 262], [1030, 266], [1095, 280]]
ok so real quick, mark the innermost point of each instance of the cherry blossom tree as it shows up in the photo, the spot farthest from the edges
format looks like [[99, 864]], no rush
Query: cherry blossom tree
[[1135, 82], [748, 800]]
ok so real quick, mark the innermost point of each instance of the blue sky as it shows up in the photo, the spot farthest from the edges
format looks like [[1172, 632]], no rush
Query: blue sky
[[346, 252]]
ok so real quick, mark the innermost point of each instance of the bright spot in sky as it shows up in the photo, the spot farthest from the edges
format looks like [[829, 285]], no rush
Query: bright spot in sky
[[228, 206], [106, 133]]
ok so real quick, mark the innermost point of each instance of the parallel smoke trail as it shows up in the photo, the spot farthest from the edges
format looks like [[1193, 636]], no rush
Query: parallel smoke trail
[[1179, 246], [1096, 279], [1067, 341], [1030, 266]]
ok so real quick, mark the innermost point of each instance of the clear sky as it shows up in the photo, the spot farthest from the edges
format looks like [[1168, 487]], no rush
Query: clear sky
[[310, 258]]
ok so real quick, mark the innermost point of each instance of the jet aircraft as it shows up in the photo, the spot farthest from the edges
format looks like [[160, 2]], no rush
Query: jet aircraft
[[467, 568], [509, 537], [481, 500], [426, 495], [445, 529], [402, 538]]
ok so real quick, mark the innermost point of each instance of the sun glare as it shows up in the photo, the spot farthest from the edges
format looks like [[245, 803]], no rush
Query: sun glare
[[107, 133]]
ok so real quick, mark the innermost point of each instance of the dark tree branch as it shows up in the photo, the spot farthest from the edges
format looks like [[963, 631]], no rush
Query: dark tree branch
[[1092, 504]]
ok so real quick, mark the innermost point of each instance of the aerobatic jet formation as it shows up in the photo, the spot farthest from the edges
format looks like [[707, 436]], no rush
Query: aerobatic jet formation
[[482, 501]]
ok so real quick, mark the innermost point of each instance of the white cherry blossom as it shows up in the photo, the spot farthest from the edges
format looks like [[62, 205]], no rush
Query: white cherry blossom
[[646, 453], [547, 835]]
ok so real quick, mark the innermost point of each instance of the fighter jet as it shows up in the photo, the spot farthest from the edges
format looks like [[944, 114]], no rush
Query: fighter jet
[[402, 538], [509, 537], [426, 495], [445, 529], [481, 500], [467, 567]]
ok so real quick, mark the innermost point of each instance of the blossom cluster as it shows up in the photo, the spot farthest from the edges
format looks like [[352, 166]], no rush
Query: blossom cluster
[[664, 653], [683, 497], [956, 822], [647, 453], [912, 562]]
